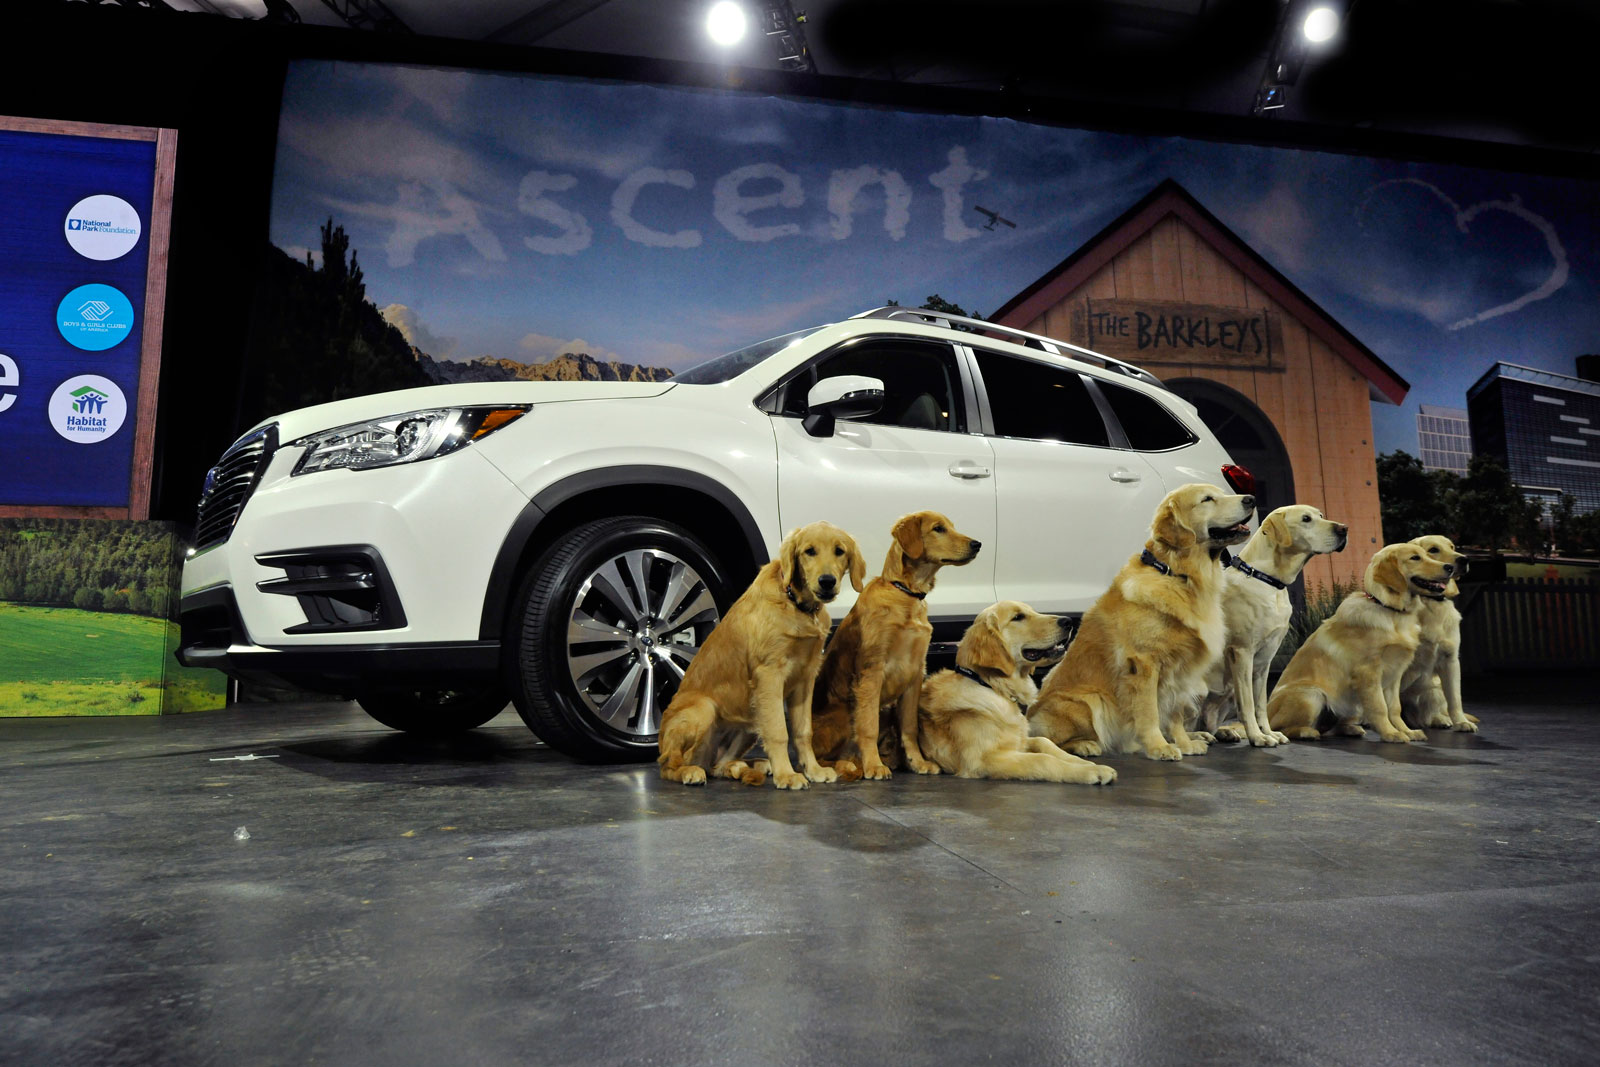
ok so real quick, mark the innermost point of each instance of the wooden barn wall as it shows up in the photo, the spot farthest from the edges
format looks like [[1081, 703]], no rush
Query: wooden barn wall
[[1328, 437]]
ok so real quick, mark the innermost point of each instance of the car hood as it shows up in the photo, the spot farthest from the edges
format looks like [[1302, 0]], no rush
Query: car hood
[[302, 421]]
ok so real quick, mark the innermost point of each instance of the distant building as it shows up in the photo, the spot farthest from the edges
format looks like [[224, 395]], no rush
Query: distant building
[[1544, 426], [1444, 438]]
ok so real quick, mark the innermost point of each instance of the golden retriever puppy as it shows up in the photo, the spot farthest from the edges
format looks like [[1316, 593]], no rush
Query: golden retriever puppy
[[876, 661], [1145, 648], [765, 651], [1352, 665], [972, 720], [1255, 611], [1431, 687]]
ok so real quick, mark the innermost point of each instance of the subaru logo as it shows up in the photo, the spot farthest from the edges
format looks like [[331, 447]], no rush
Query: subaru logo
[[211, 480]]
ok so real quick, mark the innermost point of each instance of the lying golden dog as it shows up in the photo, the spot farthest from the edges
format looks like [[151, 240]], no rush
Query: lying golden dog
[[876, 661], [1142, 654], [1352, 665], [765, 651], [1255, 611], [972, 720], [1430, 689]]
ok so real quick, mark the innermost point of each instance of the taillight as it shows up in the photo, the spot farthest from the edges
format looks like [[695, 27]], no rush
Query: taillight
[[1241, 480]]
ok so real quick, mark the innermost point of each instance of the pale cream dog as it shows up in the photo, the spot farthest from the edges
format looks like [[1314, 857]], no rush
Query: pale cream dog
[[1256, 610], [1352, 665], [1144, 650], [972, 720], [1431, 687]]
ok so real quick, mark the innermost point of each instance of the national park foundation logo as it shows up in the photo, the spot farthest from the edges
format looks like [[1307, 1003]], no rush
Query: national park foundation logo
[[102, 227], [87, 409]]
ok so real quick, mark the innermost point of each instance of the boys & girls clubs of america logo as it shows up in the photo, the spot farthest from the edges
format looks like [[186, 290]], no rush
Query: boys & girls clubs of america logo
[[95, 317], [87, 409]]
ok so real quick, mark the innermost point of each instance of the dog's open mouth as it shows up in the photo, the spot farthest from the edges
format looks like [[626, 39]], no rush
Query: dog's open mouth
[[1034, 655], [1430, 584], [1230, 535], [825, 595]]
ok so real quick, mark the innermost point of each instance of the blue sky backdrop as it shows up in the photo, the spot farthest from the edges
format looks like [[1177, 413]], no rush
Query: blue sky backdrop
[[520, 217]]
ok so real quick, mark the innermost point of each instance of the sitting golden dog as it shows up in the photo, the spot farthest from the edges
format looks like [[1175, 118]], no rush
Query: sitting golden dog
[[972, 720], [1144, 649], [1255, 611], [1352, 665], [876, 661], [765, 651], [1431, 687]]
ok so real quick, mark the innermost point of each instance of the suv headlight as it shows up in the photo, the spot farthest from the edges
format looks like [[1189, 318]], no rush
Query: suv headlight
[[407, 438]]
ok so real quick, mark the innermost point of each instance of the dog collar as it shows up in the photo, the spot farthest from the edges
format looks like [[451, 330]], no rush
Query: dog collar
[[1229, 560], [788, 591], [1381, 604], [908, 592], [1148, 558], [968, 672]]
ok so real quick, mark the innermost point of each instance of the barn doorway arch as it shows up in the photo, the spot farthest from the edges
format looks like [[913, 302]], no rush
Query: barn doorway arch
[[1248, 435]]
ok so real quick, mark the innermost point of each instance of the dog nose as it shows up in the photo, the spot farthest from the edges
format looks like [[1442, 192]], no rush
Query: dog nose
[[1248, 501], [1449, 568], [826, 582], [1340, 528], [976, 545], [1064, 624]]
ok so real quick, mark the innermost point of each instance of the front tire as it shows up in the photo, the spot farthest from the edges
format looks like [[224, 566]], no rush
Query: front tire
[[433, 712], [602, 629]]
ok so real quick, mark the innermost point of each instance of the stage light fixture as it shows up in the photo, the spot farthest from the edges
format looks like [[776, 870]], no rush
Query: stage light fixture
[[1320, 25], [725, 23]]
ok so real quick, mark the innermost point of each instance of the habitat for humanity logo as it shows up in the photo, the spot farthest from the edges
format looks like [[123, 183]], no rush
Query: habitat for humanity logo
[[95, 317], [103, 227], [87, 409]]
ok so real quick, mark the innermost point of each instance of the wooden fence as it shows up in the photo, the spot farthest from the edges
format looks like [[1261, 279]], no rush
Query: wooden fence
[[1524, 623]]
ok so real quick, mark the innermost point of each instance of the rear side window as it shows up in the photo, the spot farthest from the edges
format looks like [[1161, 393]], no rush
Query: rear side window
[[1039, 402], [1150, 427]]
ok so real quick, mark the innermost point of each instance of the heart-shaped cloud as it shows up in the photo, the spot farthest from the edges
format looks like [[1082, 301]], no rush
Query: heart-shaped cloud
[[1463, 219]]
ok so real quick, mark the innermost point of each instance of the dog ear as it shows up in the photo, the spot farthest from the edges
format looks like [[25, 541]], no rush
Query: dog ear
[[1166, 528], [987, 648], [1451, 589], [1277, 531], [858, 566], [789, 557], [1385, 581], [907, 533]]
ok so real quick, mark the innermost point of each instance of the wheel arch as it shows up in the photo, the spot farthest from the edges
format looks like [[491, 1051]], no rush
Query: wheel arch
[[701, 505]]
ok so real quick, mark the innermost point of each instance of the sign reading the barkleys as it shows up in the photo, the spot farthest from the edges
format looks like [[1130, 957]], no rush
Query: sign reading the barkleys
[[83, 204], [1162, 331]]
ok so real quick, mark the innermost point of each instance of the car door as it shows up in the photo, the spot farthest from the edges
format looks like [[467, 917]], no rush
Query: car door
[[915, 453], [1071, 506]]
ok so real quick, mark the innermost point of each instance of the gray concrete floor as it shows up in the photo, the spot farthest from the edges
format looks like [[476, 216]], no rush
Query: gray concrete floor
[[486, 901]]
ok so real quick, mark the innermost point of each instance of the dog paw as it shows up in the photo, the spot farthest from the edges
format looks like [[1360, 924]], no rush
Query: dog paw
[[1084, 748], [1394, 737], [1165, 752], [1416, 735], [878, 773], [1268, 740], [823, 774], [1193, 746], [1231, 733], [1104, 775], [692, 776], [1465, 727], [1206, 736], [755, 774], [1351, 729], [790, 780], [922, 766], [1437, 721], [1281, 738], [1302, 733]]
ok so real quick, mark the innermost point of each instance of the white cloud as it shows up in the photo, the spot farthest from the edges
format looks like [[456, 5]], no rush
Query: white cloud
[[539, 347], [411, 327], [423, 210], [1277, 226]]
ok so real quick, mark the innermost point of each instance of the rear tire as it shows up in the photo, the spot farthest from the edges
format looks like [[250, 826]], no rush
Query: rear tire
[[433, 712], [602, 628]]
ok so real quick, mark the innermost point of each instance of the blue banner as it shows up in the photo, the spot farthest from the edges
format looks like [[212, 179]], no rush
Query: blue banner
[[74, 255]]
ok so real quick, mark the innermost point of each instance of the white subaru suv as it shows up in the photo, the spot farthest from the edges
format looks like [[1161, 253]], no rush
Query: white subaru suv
[[434, 552]]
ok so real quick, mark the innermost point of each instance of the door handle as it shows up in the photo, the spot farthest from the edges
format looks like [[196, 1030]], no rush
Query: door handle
[[968, 470], [1123, 474]]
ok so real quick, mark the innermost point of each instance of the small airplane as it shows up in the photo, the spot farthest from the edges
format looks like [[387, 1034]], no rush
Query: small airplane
[[994, 217]]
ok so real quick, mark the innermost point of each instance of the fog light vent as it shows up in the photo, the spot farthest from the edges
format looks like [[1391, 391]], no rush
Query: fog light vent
[[340, 588]]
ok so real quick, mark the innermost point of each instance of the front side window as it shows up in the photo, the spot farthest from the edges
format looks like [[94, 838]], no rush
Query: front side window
[[921, 385], [1035, 400]]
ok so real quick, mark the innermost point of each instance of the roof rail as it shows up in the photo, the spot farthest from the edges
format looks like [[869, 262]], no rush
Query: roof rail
[[1007, 333]]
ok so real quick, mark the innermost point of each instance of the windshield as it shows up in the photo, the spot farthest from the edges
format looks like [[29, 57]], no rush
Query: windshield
[[723, 368]]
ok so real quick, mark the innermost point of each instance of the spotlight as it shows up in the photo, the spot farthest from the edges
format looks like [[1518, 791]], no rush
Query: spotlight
[[726, 23], [1321, 23]]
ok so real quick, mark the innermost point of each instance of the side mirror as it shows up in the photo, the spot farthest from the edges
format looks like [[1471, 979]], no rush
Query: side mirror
[[848, 396]]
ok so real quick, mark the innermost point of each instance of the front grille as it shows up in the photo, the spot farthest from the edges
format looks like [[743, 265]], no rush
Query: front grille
[[230, 483]]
